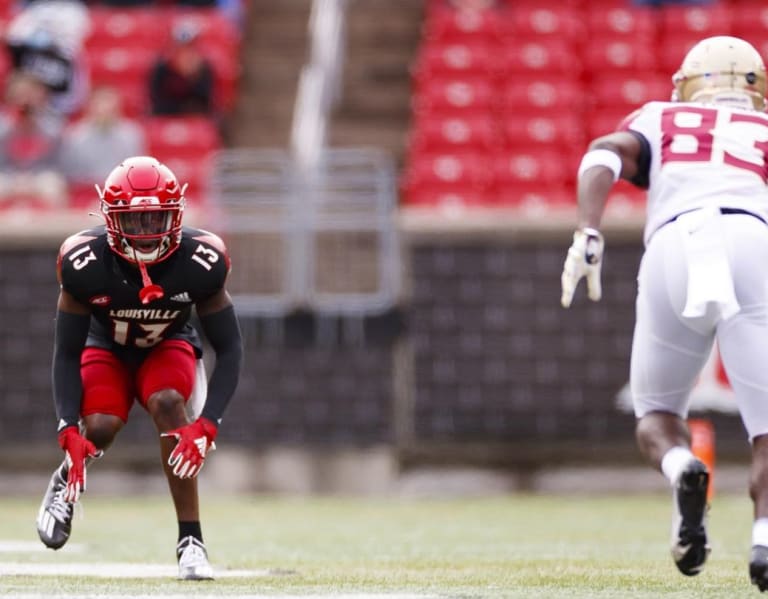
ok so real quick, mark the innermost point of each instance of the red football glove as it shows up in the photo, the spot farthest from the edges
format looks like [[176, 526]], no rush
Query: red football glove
[[193, 442], [76, 449]]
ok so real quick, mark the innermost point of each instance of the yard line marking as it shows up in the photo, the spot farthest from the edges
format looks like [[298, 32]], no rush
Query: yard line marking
[[165, 596], [114, 570]]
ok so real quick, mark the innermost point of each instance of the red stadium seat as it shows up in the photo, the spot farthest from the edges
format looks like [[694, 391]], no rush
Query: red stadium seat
[[627, 91], [440, 134], [434, 175], [455, 197], [437, 60], [750, 22], [543, 93], [672, 51], [556, 130], [576, 4], [536, 22], [119, 65], [610, 53], [542, 176], [449, 25], [602, 122], [536, 199], [542, 166], [181, 136], [456, 96], [695, 21], [622, 21], [137, 27], [546, 56]]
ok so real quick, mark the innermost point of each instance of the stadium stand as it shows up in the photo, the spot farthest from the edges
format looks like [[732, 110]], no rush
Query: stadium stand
[[548, 76], [124, 42]]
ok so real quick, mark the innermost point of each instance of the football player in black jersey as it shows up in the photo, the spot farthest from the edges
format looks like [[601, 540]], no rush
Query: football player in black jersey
[[123, 334]]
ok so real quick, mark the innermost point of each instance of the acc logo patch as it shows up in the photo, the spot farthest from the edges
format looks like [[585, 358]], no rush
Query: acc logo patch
[[100, 300]]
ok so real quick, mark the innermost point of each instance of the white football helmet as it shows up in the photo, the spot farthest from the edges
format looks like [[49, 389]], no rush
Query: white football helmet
[[722, 70]]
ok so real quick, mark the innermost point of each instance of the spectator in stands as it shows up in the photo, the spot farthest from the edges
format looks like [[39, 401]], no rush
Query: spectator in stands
[[30, 144], [101, 139], [182, 81], [46, 39]]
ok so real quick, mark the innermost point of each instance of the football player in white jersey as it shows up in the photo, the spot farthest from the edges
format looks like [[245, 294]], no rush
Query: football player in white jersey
[[703, 157]]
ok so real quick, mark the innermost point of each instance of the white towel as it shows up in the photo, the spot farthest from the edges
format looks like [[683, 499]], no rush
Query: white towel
[[709, 275]]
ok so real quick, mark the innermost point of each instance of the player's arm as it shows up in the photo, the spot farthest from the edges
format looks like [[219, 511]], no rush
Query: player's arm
[[608, 158], [219, 323], [71, 331]]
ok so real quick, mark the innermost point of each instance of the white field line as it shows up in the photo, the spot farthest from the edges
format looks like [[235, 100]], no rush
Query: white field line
[[112, 570], [334, 596], [126, 570]]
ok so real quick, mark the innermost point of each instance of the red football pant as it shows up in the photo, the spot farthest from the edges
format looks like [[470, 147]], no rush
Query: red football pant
[[110, 385]]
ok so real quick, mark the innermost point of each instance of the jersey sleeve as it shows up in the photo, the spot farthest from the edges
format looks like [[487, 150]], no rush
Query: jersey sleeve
[[77, 265], [209, 264]]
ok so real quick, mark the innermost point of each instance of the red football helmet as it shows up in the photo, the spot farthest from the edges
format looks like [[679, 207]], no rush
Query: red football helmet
[[142, 203]]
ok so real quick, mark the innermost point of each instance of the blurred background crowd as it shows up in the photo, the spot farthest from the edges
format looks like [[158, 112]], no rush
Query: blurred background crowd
[[86, 84]]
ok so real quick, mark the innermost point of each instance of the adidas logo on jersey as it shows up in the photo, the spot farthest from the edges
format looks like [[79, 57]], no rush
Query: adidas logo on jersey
[[181, 297]]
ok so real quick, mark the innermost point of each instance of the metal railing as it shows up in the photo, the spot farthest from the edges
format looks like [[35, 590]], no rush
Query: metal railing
[[324, 241]]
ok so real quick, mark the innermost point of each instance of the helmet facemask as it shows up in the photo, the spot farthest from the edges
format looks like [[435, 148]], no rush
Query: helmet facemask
[[144, 231]]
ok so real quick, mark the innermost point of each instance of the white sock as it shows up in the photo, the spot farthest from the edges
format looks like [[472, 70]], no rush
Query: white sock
[[760, 532], [675, 461]]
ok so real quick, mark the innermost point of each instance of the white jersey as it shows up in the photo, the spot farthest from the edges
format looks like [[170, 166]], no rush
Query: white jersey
[[702, 155]]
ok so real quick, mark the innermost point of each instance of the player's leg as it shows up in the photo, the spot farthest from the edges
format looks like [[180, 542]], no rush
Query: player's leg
[[758, 490], [743, 345], [668, 353], [107, 399], [166, 380]]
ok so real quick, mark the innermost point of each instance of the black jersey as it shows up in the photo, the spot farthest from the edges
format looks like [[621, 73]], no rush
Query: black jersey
[[94, 275]]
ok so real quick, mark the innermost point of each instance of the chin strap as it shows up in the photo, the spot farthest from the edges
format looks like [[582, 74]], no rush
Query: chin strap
[[150, 292]]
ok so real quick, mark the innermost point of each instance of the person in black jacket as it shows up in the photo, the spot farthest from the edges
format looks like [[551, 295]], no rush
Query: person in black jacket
[[182, 81]]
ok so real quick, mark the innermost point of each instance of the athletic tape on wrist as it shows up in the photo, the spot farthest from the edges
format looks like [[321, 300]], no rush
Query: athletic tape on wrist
[[601, 157]]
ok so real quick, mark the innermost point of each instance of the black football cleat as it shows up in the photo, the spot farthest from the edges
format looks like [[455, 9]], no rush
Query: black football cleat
[[54, 520], [689, 534], [758, 567]]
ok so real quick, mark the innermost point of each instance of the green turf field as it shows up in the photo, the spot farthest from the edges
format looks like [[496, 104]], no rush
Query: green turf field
[[516, 546]]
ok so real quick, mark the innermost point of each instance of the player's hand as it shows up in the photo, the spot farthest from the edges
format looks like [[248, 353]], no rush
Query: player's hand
[[193, 442], [76, 449], [584, 259]]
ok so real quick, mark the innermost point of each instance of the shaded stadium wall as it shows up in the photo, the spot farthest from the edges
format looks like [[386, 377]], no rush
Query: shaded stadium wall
[[480, 365]]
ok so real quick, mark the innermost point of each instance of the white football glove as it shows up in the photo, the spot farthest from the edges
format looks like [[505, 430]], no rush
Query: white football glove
[[584, 259]]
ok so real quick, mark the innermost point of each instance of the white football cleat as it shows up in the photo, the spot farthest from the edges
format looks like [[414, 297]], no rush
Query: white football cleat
[[193, 560]]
